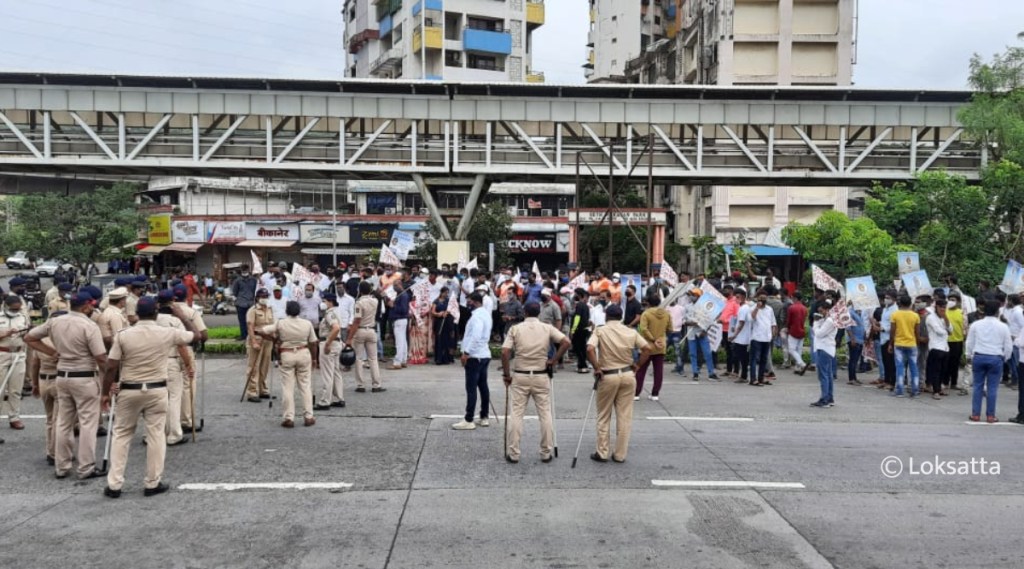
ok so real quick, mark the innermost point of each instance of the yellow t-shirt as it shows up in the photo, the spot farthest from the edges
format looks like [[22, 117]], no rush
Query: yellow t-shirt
[[956, 320], [904, 328]]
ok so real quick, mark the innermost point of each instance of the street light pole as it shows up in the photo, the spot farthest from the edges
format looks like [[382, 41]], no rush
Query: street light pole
[[334, 223]]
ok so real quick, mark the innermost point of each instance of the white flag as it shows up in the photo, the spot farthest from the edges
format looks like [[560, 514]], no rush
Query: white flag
[[257, 266], [668, 276], [472, 264], [462, 260], [388, 257], [536, 271]]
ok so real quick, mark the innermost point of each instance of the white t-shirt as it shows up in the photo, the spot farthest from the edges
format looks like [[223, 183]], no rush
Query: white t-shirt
[[743, 337], [762, 324]]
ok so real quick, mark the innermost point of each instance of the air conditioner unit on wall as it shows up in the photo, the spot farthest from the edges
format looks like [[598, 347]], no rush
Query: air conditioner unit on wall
[[545, 213], [409, 211], [424, 211], [523, 213], [389, 211], [512, 210], [563, 213]]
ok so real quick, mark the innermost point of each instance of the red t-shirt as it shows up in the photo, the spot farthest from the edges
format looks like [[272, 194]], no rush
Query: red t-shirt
[[796, 318]]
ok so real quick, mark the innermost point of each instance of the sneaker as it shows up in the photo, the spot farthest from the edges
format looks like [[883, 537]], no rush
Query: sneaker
[[652, 397], [830, 404], [696, 378], [483, 422], [801, 371], [713, 377], [818, 404], [636, 398], [898, 394], [464, 426]]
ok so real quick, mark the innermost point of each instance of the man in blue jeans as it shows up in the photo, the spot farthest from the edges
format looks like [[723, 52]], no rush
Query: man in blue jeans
[[988, 347], [824, 333], [476, 356], [857, 336], [697, 339], [244, 291]]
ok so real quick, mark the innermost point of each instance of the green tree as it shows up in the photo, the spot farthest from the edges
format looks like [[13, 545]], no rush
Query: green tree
[[79, 229], [492, 224], [844, 247], [995, 117]]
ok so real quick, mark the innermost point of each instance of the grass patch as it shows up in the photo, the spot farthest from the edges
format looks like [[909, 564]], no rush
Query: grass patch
[[225, 348], [224, 333]]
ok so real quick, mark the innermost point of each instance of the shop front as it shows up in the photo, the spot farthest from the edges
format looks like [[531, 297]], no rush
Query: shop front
[[540, 242], [321, 243], [269, 241], [187, 238]]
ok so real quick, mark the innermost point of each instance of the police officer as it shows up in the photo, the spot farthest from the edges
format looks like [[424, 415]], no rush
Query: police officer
[[362, 335], [13, 325], [298, 349], [610, 351], [42, 372], [180, 364], [136, 289], [60, 303], [258, 350], [18, 286], [79, 345], [530, 341], [138, 360], [113, 319], [196, 318], [332, 387]]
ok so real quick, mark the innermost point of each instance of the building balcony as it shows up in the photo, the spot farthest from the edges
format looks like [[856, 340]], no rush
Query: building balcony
[[437, 5], [387, 62], [434, 38], [535, 77], [485, 41], [355, 44], [385, 25], [535, 13]]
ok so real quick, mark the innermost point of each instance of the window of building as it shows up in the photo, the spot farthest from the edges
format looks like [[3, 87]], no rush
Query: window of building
[[453, 58], [396, 35], [485, 24], [657, 20], [379, 204], [352, 14], [485, 62]]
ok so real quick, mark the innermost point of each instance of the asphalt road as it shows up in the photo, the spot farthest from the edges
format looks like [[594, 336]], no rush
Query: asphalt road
[[810, 491]]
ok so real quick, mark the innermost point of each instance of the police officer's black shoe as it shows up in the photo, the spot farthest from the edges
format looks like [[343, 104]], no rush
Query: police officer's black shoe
[[360, 390], [338, 404], [264, 396], [596, 457], [159, 489], [111, 493], [321, 407], [510, 460], [93, 474], [255, 400], [101, 431], [548, 459], [49, 460]]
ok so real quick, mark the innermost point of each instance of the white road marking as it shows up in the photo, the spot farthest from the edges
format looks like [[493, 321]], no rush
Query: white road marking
[[25, 416], [232, 486], [727, 484], [500, 417], [737, 419], [987, 424]]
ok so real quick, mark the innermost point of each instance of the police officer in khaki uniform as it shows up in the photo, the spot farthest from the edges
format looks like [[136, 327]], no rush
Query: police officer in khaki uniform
[[60, 303], [136, 289], [180, 364], [610, 352], [138, 359], [13, 325], [362, 335], [42, 371], [530, 341], [78, 344], [113, 319], [332, 386], [196, 318], [298, 348], [258, 350]]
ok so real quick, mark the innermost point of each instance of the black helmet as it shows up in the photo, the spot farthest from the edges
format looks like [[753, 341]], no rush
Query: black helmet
[[347, 357]]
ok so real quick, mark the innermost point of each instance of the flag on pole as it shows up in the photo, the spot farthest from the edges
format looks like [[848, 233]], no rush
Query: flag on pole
[[579, 282], [453, 306], [536, 271], [472, 264], [823, 280], [668, 275], [301, 275], [388, 257], [462, 260], [257, 266]]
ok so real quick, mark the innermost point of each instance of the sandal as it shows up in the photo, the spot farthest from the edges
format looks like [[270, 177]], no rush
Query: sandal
[[992, 419], [975, 418], [936, 396]]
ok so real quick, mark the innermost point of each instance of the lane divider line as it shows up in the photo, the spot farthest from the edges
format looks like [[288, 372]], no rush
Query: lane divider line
[[233, 486], [743, 484]]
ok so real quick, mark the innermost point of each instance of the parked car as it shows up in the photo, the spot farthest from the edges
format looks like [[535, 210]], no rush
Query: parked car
[[19, 260], [48, 267]]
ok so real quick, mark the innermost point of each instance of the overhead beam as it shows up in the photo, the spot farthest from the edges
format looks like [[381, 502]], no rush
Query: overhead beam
[[604, 148], [298, 138], [92, 134], [942, 148], [223, 138], [21, 136], [472, 206], [864, 154], [369, 141], [150, 135], [814, 148], [743, 148]]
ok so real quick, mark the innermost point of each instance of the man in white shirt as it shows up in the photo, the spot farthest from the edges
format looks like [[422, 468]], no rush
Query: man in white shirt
[[988, 347], [938, 347], [824, 330], [740, 332], [476, 356], [278, 302], [1014, 315], [597, 316], [764, 326]]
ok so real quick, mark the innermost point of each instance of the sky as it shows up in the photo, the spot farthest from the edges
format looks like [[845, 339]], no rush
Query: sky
[[923, 44]]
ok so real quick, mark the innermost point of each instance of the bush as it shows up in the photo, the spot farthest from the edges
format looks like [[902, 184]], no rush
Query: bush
[[225, 333]]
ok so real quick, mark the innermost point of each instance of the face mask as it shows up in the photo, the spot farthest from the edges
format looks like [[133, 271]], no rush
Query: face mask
[[309, 294], [952, 304], [323, 306], [263, 301], [245, 275], [888, 302], [603, 302], [918, 305]]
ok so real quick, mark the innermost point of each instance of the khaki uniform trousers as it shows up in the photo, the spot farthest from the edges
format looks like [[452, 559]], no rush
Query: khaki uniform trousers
[[615, 391], [12, 394], [332, 386], [296, 368], [152, 405], [256, 369], [523, 387], [175, 391], [365, 345], [78, 402], [187, 395], [48, 394]]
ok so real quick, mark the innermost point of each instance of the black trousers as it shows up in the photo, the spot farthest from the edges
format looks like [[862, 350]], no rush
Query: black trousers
[[741, 355], [889, 361], [956, 353], [936, 369], [579, 347]]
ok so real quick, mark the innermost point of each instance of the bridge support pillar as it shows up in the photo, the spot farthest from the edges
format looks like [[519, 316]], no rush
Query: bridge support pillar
[[428, 200]]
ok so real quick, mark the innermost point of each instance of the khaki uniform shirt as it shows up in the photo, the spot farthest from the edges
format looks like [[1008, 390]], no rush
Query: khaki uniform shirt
[[112, 321], [330, 320], [531, 340], [615, 342], [58, 304], [366, 311], [14, 343], [132, 305], [47, 363], [258, 318], [51, 295], [170, 321], [292, 332], [194, 316], [142, 350], [654, 325], [76, 338]]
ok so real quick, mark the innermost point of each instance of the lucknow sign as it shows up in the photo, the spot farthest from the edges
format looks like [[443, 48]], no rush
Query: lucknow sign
[[532, 243]]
